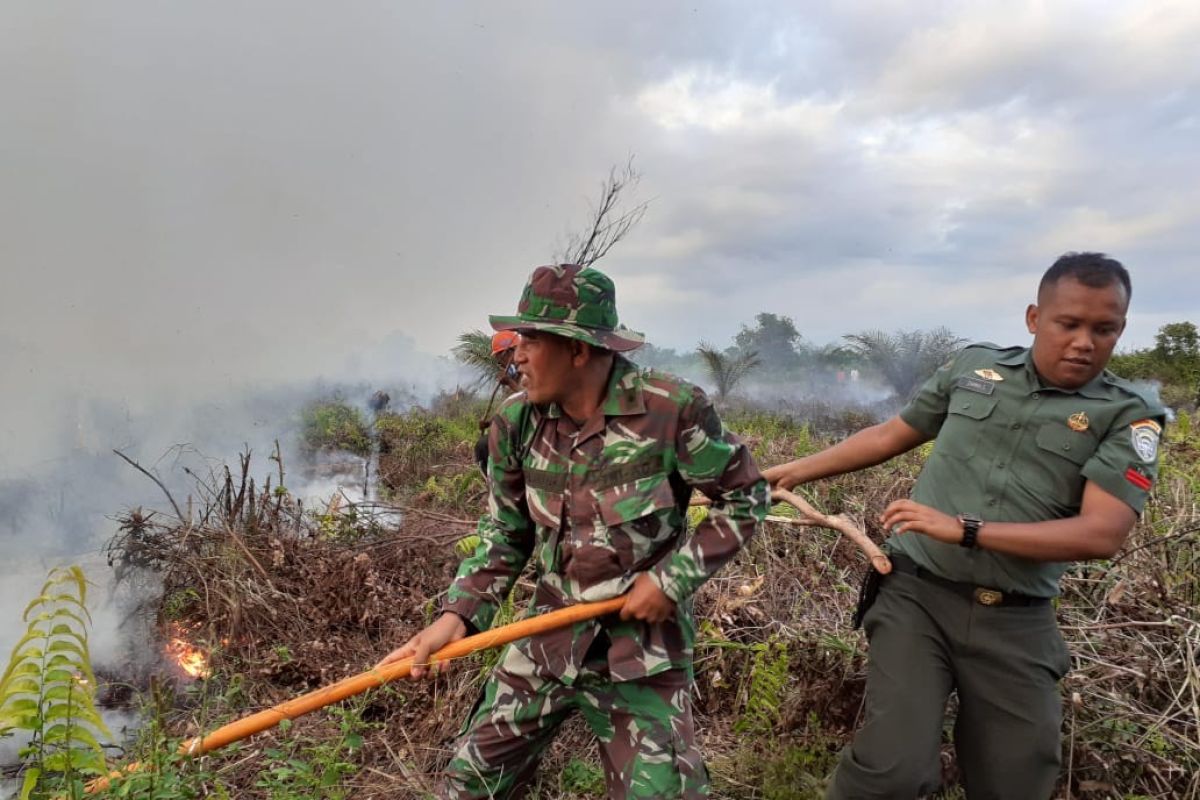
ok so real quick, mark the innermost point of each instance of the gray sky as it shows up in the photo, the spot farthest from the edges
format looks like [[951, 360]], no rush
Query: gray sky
[[196, 198]]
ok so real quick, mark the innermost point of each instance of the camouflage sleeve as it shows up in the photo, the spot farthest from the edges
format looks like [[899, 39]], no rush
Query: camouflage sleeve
[[715, 462], [926, 411], [1126, 463], [505, 533]]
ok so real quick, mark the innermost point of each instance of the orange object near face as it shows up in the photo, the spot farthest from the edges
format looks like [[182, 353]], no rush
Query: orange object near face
[[503, 340]]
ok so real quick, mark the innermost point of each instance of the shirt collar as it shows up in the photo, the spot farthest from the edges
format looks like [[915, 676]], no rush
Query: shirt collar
[[622, 396], [1096, 388]]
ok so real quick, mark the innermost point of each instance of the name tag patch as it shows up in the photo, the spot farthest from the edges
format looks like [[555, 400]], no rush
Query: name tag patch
[[973, 384], [1145, 433]]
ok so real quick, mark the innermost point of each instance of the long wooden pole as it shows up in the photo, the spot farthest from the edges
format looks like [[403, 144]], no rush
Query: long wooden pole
[[357, 684]]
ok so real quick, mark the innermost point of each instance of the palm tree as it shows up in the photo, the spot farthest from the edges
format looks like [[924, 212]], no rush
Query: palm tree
[[905, 358], [726, 369], [474, 349]]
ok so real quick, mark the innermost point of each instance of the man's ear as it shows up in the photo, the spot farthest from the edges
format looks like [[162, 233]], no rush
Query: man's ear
[[1031, 317], [581, 352]]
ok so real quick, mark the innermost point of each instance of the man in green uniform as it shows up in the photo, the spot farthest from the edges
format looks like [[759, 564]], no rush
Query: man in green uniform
[[591, 467], [1041, 458]]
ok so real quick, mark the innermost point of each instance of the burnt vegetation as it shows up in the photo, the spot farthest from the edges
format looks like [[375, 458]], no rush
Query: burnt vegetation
[[285, 599]]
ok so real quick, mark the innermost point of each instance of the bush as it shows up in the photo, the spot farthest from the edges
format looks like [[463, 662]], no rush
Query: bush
[[334, 425]]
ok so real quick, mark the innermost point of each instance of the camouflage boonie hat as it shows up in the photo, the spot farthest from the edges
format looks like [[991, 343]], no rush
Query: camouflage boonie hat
[[575, 302]]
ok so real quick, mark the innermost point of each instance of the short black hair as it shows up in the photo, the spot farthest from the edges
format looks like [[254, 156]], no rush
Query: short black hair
[[1096, 270]]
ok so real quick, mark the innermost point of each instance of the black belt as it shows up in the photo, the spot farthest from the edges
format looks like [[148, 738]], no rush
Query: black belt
[[979, 594]]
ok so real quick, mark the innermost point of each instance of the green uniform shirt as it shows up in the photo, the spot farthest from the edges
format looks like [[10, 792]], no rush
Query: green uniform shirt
[[594, 505], [1011, 449]]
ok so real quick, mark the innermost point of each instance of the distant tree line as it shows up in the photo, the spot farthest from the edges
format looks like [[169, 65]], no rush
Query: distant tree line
[[772, 350], [1173, 362]]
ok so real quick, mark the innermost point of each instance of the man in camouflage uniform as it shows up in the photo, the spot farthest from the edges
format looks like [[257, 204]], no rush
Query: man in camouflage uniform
[[591, 469], [1041, 458]]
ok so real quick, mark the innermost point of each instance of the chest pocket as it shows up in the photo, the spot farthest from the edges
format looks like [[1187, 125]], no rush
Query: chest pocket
[[1075, 446], [544, 496], [632, 502], [967, 417]]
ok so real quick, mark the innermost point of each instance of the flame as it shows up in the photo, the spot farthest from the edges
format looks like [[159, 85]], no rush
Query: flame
[[189, 658]]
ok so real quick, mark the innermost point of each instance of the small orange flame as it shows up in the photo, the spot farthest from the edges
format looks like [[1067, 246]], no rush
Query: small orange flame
[[189, 658]]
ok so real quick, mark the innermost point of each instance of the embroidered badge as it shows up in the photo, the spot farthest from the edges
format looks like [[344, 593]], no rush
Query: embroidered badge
[[1145, 433], [975, 385], [990, 374], [1134, 476], [1078, 422]]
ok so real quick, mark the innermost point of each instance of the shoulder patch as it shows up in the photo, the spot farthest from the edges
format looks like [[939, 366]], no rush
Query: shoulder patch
[[1145, 434]]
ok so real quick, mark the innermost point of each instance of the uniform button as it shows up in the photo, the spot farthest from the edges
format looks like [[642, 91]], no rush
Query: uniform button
[[992, 501], [1036, 395], [1000, 465], [966, 405], [1016, 426], [1066, 447]]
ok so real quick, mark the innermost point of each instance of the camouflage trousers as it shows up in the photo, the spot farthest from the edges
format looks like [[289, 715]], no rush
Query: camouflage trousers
[[647, 740]]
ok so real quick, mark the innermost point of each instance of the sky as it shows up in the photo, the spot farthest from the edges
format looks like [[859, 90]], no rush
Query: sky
[[203, 199]]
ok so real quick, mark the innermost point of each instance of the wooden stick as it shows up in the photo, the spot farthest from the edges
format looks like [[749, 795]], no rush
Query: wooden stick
[[348, 687]]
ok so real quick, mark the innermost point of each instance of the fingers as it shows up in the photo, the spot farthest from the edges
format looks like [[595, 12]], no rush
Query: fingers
[[399, 654], [420, 657], [649, 615], [779, 477]]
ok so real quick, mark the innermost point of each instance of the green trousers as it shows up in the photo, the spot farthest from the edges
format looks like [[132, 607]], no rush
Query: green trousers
[[647, 740], [1004, 662]]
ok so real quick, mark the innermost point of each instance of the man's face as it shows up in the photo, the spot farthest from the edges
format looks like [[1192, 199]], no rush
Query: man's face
[[507, 367], [1075, 328], [545, 364]]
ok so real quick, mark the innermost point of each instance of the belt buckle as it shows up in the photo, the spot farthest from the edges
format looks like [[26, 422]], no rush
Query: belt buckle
[[988, 597]]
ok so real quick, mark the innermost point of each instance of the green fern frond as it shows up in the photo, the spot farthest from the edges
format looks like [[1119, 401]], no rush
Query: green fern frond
[[765, 689], [48, 688]]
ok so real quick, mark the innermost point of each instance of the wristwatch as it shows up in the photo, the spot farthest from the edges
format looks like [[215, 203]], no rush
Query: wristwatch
[[971, 525]]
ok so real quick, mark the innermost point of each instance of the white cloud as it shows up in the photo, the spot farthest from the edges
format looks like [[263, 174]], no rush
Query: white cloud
[[707, 101]]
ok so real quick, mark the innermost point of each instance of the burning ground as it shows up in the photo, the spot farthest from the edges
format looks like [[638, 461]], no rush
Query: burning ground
[[264, 597]]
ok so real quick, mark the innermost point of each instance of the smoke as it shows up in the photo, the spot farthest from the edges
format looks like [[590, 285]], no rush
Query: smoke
[[58, 503]]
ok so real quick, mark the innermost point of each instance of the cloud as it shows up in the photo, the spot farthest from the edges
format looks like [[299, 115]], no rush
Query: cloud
[[204, 197]]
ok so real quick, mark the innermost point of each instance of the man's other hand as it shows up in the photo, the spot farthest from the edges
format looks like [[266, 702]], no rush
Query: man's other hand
[[781, 477], [905, 516], [446, 629], [647, 602]]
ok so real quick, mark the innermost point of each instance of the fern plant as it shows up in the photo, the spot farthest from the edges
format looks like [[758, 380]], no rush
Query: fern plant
[[48, 689], [765, 688]]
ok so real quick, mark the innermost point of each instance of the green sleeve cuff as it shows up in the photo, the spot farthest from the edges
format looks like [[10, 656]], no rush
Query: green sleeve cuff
[[672, 584], [476, 613]]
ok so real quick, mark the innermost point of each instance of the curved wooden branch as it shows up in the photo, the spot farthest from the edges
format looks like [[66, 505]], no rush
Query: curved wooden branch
[[837, 522]]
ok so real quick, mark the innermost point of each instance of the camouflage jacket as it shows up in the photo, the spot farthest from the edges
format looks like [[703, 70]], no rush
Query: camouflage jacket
[[595, 504]]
